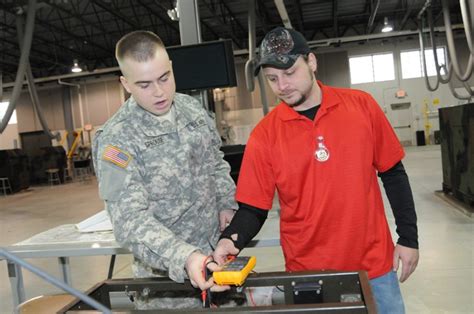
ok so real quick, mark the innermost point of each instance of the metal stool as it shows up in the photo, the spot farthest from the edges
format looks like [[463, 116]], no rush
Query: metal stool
[[6, 186], [67, 175], [82, 170], [81, 174], [53, 176]]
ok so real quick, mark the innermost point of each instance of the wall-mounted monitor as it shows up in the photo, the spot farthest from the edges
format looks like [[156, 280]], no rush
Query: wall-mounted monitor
[[203, 66]]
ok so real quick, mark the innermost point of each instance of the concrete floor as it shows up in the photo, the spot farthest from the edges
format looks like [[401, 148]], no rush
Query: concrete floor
[[443, 282]]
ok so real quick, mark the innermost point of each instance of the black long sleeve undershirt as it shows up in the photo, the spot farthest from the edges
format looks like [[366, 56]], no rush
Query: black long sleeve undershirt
[[248, 220], [398, 190]]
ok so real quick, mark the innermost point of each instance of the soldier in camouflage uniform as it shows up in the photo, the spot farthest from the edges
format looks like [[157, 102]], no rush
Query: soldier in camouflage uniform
[[161, 174]]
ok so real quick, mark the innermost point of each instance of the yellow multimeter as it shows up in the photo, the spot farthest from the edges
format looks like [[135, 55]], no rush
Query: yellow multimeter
[[235, 271]]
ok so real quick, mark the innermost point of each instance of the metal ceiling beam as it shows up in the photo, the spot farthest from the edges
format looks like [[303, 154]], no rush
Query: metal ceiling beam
[[373, 13], [111, 70], [80, 18], [222, 6], [136, 15], [209, 28], [33, 49], [105, 34], [165, 20], [36, 58], [47, 25], [348, 39], [69, 35], [36, 36], [300, 16], [334, 18], [115, 13], [263, 14], [14, 59], [223, 22], [234, 17], [280, 5], [405, 17], [78, 45]]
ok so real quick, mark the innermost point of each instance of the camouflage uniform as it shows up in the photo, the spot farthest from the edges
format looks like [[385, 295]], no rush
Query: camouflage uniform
[[163, 184]]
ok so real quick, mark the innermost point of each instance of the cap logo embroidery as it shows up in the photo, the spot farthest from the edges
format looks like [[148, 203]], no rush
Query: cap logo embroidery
[[280, 44]]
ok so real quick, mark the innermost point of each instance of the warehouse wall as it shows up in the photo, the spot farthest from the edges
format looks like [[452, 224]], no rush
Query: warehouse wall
[[9, 137], [424, 104], [51, 104], [333, 69], [101, 96]]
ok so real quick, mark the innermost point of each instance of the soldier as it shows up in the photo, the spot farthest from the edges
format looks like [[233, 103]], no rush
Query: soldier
[[161, 174]]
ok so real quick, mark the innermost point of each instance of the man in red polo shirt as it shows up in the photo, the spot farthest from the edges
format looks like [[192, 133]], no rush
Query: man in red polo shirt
[[321, 148]]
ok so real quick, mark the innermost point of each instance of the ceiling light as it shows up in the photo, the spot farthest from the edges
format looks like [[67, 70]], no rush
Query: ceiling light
[[386, 26], [76, 68], [174, 14]]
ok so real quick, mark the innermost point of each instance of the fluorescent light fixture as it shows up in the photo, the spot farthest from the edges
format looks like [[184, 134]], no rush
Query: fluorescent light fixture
[[174, 12], [76, 68], [386, 26]]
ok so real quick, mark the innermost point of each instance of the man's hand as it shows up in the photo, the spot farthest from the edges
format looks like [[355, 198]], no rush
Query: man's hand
[[225, 216], [224, 247], [194, 268], [409, 258]]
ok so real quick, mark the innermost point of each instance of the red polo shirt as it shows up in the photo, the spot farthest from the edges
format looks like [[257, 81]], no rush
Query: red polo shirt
[[332, 214]]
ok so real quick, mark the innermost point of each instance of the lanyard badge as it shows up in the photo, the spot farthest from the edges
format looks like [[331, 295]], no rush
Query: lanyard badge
[[322, 153]]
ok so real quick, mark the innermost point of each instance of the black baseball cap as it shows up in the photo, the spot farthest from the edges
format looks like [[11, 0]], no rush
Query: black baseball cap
[[280, 48]]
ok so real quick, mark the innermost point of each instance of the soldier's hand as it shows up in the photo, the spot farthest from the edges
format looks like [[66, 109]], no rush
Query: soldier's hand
[[194, 267], [224, 247], [225, 217]]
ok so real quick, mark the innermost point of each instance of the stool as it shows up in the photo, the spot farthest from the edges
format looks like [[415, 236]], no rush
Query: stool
[[53, 176], [81, 174], [82, 169], [5, 186], [67, 175]]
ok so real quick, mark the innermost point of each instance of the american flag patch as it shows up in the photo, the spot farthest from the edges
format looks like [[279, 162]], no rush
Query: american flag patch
[[116, 156]]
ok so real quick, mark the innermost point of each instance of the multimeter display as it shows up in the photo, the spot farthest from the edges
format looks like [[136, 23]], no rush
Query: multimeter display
[[235, 271]]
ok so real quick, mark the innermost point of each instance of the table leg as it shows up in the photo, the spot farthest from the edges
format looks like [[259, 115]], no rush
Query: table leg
[[16, 282], [111, 267], [65, 269]]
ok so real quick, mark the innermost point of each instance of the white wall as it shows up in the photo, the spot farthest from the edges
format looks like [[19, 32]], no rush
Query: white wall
[[417, 93], [9, 136], [100, 99]]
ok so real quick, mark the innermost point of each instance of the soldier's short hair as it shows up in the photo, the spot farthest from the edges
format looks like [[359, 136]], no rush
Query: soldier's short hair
[[141, 46]]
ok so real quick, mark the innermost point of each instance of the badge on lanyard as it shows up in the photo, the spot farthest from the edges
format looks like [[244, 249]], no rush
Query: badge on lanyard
[[322, 153]]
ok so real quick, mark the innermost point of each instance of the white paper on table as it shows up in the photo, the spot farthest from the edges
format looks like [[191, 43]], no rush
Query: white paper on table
[[97, 222]]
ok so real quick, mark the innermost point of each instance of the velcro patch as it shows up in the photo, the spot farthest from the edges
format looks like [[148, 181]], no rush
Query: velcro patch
[[116, 156]]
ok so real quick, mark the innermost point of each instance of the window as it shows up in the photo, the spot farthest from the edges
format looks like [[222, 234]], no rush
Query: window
[[3, 110], [372, 68], [412, 65]]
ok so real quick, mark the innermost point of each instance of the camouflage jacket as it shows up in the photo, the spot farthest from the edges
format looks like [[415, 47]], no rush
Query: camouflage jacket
[[163, 184]]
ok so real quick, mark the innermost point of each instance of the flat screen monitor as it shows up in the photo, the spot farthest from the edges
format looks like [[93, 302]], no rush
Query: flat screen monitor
[[203, 66]]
